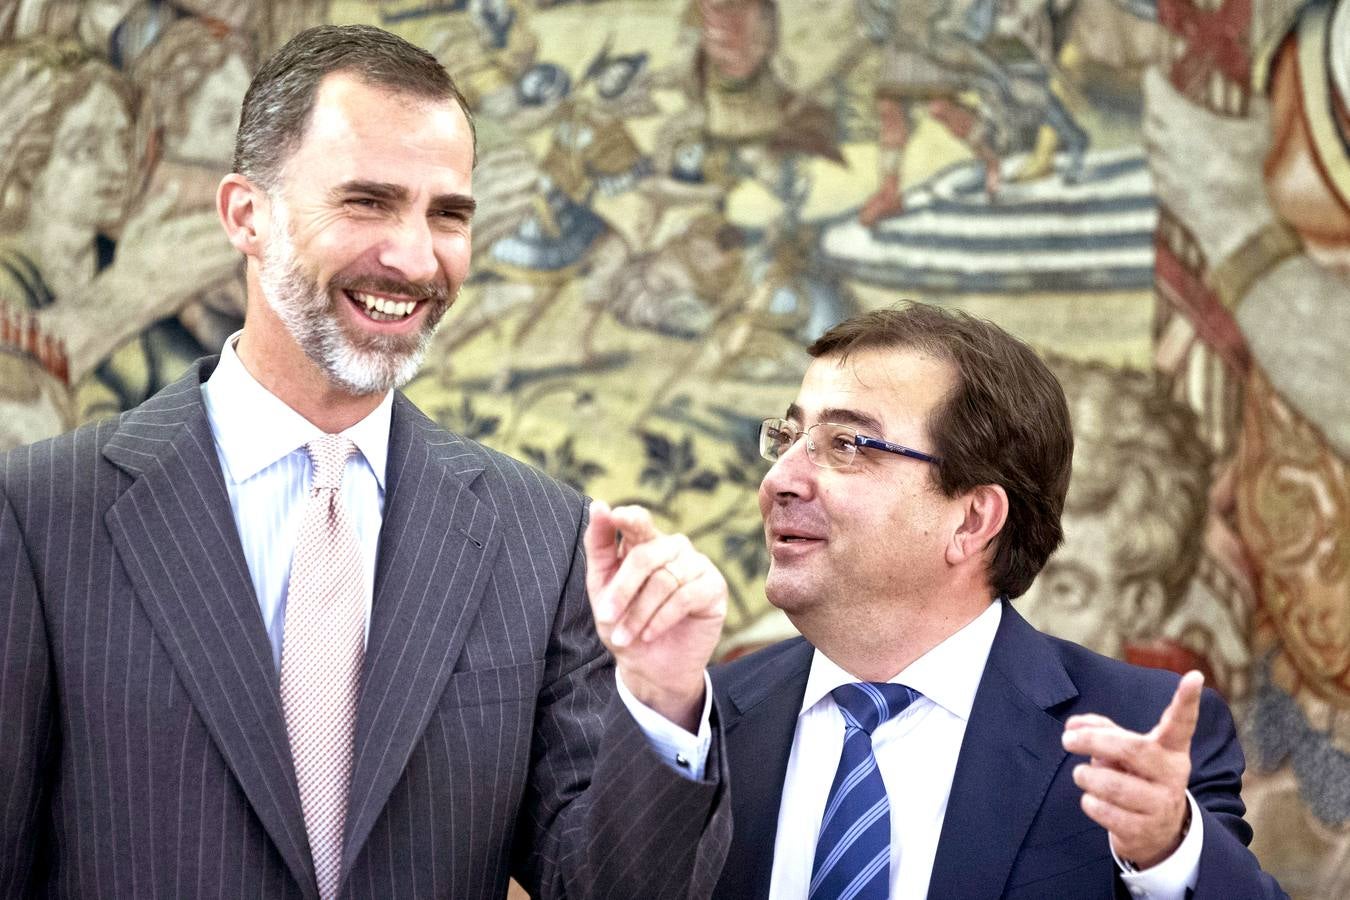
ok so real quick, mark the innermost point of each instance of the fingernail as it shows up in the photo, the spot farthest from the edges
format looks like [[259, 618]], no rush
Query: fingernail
[[619, 636]]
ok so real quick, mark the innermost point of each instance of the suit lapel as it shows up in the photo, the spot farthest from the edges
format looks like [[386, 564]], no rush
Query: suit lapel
[[1008, 758], [762, 701], [178, 543], [436, 546]]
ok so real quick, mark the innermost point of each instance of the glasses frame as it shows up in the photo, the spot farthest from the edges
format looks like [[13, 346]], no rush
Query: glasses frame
[[859, 440]]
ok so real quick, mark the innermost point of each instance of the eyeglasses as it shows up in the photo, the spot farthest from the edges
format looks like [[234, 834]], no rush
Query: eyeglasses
[[828, 445]]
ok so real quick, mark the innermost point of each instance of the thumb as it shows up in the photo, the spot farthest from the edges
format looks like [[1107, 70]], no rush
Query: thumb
[[601, 543]]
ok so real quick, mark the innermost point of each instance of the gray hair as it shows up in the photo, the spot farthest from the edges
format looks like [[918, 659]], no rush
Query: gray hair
[[277, 106]]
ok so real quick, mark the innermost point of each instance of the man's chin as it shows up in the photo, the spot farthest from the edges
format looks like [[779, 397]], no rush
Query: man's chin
[[789, 594], [367, 380], [379, 362]]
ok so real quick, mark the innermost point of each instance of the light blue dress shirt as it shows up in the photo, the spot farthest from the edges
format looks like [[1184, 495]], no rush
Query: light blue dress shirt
[[260, 442]]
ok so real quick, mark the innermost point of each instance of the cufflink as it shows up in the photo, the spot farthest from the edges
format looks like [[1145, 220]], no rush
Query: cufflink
[[681, 760]]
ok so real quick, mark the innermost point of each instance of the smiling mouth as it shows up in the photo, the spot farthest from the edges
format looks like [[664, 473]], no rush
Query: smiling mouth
[[382, 309]]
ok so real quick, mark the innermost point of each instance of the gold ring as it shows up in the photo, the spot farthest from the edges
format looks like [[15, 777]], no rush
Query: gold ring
[[679, 582]]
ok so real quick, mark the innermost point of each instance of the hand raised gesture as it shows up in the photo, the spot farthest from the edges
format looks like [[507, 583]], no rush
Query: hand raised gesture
[[658, 605], [1135, 784]]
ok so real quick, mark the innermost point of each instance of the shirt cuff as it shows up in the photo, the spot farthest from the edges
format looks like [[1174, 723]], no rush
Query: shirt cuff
[[1174, 876], [684, 752]]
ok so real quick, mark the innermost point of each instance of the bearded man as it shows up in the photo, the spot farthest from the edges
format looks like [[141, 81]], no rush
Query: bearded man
[[274, 633]]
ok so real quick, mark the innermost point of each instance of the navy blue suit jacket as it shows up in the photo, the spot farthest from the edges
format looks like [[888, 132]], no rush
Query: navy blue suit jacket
[[1014, 827]]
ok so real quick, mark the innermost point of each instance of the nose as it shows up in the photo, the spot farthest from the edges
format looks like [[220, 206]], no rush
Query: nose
[[411, 251], [793, 475]]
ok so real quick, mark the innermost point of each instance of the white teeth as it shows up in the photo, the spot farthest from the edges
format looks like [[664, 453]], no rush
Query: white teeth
[[394, 309]]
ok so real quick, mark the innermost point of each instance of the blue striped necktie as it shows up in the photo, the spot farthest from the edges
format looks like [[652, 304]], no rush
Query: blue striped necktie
[[853, 852]]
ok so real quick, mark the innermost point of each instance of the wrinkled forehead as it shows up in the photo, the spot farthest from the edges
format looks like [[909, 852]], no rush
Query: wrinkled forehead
[[361, 131], [891, 390], [347, 105]]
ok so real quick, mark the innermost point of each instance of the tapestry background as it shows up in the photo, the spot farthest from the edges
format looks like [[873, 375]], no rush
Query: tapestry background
[[677, 195]]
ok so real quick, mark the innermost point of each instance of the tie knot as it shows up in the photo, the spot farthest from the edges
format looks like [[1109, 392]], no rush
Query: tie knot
[[866, 704], [329, 455]]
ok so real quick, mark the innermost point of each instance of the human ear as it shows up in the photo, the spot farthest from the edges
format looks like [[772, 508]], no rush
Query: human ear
[[983, 510], [239, 205]]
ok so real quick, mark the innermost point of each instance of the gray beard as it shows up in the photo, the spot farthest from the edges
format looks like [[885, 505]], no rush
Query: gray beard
[[378, 364]]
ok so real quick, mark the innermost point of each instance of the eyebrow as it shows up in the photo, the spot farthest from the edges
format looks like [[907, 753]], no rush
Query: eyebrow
[[397, 193], [840, 416]]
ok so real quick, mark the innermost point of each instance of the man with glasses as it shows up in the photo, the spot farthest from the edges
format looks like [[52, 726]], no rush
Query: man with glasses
[[921, 739]]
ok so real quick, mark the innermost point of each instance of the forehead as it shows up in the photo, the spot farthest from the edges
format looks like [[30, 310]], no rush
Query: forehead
[[361, 131], [896, 388]]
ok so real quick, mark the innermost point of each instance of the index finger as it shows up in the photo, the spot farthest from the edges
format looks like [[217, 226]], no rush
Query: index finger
[[1088, 720], [1177, 724], [636, 525]]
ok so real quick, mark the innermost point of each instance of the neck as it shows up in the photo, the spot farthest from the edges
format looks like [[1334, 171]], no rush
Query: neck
[[277, 362], [879, 642]]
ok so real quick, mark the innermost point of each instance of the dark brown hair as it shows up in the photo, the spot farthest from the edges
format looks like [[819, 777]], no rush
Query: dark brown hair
[[278, 103], [1005, 422]]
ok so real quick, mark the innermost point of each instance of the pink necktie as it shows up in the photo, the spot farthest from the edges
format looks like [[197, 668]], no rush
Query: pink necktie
[[322, 650]]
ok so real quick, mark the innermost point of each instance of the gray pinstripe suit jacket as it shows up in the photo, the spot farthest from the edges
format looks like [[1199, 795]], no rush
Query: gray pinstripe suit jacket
[[143, 751]]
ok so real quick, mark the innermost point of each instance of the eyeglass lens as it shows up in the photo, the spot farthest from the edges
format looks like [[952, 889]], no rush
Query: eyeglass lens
[[828, 445]]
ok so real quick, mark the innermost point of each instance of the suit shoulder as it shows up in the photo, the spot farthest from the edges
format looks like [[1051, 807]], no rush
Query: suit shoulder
[[63, 463], [499, 473], [503, 472], [747, 667], [1090, 667], [1132, 696], [518, 472]]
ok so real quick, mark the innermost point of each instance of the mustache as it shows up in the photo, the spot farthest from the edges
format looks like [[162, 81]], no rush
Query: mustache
[[376, 284]]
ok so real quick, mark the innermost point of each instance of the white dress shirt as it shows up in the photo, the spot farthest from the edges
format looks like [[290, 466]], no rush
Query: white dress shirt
[[260, 442], [916, 754]]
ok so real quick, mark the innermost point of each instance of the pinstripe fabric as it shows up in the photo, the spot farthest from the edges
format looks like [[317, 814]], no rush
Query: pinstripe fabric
[[145, 752]]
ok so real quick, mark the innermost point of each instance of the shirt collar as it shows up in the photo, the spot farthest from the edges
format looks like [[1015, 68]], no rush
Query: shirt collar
[[949, 674], [253, 428]]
